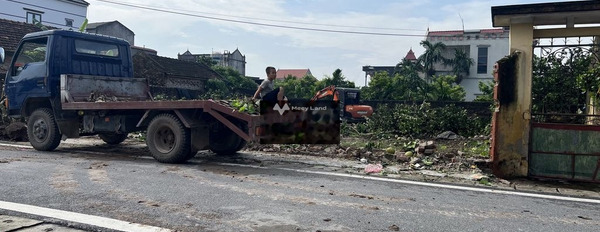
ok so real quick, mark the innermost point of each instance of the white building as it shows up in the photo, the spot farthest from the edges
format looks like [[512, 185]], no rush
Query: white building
[[234, 59], [65, 14], [484, 46]]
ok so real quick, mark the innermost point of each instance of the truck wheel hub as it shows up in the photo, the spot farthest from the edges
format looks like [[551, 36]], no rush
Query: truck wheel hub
[[165, 140], [40, 129]]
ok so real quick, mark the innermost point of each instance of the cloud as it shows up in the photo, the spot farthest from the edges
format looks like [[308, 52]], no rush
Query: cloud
[[322, 52]]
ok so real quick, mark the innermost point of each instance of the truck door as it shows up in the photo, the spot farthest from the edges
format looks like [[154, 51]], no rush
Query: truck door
[[28, 72]]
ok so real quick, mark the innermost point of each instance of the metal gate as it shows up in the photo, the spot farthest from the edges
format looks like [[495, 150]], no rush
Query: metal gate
[[565, 130]]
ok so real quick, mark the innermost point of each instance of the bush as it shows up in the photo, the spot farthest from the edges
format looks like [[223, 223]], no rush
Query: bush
[[421, 120]]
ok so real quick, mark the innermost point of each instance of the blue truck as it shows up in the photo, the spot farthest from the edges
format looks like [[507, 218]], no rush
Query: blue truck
[[68, 84]]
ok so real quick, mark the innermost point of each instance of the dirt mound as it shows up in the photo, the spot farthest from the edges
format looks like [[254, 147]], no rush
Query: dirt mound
[[16, 131]]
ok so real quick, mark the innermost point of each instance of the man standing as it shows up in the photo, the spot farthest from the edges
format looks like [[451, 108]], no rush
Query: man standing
[[266, 89]]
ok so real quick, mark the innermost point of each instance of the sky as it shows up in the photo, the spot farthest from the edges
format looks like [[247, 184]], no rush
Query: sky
[[344, 34]]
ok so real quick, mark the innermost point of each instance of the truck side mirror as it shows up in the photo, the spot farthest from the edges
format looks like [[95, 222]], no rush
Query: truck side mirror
[[1, 55]]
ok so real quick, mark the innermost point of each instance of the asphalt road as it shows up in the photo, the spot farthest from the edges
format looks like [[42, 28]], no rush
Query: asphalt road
[[240, 193]]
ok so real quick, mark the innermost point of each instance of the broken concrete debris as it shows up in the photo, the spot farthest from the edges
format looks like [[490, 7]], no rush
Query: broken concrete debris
[[373, 168]]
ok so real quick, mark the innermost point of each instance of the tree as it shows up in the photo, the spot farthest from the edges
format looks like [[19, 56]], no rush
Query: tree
[[431, 56], [444, 88], [336, 79], [207, 60], [298, 88], [487, 88], [461, 64], [381, 87], [416, 87], [555, 85], [236, 83]]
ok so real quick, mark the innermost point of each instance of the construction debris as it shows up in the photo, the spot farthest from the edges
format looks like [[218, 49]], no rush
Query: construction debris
[[373, 168]]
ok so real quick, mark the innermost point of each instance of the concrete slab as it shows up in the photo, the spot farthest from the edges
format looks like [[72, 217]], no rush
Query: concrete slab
[[8, 223]]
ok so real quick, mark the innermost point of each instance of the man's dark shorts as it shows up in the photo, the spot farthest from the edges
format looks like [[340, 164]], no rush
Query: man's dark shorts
[[271, 96]]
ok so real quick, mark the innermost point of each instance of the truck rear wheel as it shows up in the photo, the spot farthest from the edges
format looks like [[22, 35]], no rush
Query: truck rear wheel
[[113, 138], [42, 130], [168, 140], [224, 141]]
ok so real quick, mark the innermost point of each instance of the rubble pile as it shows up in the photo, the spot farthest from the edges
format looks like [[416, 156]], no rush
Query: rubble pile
[[425, 156]]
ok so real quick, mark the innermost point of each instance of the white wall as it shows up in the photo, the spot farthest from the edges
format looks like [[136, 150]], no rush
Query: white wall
[[498, 48], [53, 12]]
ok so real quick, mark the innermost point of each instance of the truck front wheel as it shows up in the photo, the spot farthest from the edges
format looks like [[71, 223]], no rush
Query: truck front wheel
[[113, 138], [42, 130], [168, 140]]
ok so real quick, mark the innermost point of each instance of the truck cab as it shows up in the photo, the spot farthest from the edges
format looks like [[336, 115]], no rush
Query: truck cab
[[33, 77]]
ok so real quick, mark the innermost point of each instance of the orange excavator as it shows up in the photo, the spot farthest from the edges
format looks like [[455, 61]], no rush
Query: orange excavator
[[348, 99]]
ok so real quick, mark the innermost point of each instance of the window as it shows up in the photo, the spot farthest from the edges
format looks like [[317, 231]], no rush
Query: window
[[68, 22], [351, 98], [482, 59], [31, 51], [96, 48], [34, 17]]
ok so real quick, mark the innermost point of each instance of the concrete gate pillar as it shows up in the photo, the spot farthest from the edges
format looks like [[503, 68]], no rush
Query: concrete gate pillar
[[512, 119]]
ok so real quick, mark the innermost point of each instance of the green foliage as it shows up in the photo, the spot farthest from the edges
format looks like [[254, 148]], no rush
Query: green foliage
[[245, 105], [234, 79], [461, 64], [431, 56], [555, 84], [420, 120], [337, 79], [487, 88], [410, 87], [207, 60], [298, 88], [83, 25], [233, 85], [478, 148], [444, 88], [307, 86], [397, 87]]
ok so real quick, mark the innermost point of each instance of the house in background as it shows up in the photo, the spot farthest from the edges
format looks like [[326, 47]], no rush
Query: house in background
[[113, 28], [371, 70], [296, 73], [11, 33], [64, 14], [234, 59], [484, 46]]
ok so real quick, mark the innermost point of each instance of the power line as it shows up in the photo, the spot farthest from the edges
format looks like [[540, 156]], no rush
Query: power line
[[284, 21], [260, 24]]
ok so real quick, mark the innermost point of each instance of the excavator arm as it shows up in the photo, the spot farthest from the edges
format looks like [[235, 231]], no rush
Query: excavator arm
[[327, 91]]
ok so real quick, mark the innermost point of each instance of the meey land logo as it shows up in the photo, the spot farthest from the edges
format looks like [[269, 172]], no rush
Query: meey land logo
[[281, 109], [286, 107], [299, 122]]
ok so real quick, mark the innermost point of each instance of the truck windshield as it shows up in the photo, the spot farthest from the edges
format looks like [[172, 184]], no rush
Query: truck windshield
[[96, 48], [31, 51]]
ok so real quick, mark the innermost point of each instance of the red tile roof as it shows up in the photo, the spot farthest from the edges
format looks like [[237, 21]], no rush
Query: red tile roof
[[446, 33], [11, 33], [500, 30], [460, 32], [410, 55], [298, 73]]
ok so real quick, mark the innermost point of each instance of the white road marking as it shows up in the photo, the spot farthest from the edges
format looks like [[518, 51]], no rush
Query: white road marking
[[446, 186], [98, 221], [16, 145], [436, 185]]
